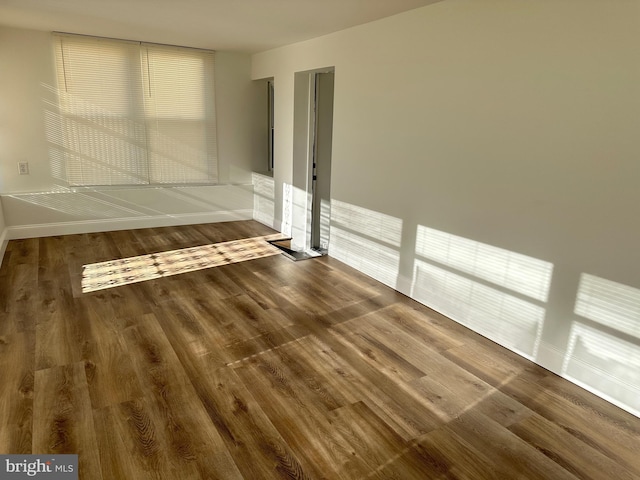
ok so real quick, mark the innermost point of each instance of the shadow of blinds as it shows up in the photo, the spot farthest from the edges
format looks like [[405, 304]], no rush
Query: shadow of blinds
[[604, 344], [496, 292]]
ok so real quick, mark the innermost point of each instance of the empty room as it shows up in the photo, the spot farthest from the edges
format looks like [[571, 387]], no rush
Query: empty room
[[339, 239]]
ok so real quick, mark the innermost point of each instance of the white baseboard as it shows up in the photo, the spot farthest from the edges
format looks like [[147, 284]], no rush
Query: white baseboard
[[111, 224], [550, 357], [267, 220], [4, 239]]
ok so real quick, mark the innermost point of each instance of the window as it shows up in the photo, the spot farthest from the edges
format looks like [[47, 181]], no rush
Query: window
[[135, 113]]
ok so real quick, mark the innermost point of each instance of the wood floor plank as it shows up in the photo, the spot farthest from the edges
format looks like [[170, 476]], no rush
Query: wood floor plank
[[566, 450], [451, 399], [62, 417], [174, 405], [422, 328], [378, 353], [303, 301], [60, 334], [393, 402], [129, 444], [241, 350], [593, 427], [143, 439], [303, 373], [509, 456], [320, 449], [212, 283], [388, 455], [111, 377], [241, 317], [461, 445], [21, 297], [449, 389], [263, 293], [195, 341], [256, 446], [16, 394]]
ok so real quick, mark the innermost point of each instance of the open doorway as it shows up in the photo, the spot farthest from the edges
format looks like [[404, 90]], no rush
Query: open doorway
[[310, 195], [321, 162]]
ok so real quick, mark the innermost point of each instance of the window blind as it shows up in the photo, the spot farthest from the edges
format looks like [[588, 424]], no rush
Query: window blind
[[135, 114]]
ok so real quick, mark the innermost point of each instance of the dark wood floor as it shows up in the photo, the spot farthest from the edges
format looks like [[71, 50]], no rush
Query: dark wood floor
[[274, 369]]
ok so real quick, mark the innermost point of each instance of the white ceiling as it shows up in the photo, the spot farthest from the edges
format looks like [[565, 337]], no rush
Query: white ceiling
[[238, 25]]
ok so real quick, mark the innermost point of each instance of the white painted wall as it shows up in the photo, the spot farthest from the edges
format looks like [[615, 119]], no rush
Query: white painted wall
[[41, 203], [486, 162]]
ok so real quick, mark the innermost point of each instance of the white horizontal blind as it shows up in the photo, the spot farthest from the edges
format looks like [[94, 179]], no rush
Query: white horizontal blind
[[136, 114], [179, 107]]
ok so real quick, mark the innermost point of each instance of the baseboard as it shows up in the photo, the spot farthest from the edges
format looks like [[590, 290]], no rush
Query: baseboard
[[93, 226], [550, 357], [4, 239], [267, 221]]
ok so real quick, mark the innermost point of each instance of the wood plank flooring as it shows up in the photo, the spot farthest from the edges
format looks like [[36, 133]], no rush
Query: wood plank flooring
[[273, 369]]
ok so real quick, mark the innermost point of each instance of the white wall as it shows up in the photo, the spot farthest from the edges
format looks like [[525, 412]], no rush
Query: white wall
[[41, 203], [486, 162]]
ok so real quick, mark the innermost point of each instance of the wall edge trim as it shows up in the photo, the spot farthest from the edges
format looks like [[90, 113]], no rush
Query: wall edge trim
[[4, 240]]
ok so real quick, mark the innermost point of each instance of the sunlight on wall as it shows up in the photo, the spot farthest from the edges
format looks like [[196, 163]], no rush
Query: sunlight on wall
[[366, 240], [609, 303], [300, 204], [287, 209], [481, 286], [263, 199], [77, 204], [325, 222], [511, 270], [604, 364], [604, 356]]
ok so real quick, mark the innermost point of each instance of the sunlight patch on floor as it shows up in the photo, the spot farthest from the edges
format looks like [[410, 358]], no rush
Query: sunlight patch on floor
[[124, 271]]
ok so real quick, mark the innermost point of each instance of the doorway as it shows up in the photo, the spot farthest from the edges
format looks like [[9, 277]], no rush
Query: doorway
[[321, 162], [310, 194]]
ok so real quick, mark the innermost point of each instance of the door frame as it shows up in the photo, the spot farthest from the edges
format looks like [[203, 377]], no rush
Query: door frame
[[303, 221]]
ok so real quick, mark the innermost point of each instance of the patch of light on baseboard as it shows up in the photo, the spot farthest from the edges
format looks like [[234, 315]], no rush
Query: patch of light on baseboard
[[263, 199], [115, 273], [287, 209], [605, 365], [366, 240], [609, 303], [508, 320], [382, 227], [370, 257]]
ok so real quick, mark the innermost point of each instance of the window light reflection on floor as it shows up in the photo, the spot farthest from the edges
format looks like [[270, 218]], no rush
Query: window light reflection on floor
[[114, 273]]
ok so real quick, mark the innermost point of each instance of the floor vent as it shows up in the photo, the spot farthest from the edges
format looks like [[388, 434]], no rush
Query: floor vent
[[285, 246]]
